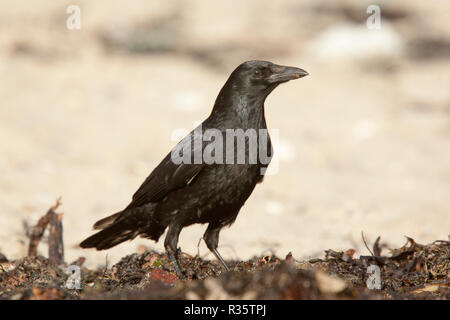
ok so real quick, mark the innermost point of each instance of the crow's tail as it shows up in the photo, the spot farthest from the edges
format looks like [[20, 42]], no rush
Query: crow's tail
[[125, 225], [105, 222], [109, 237]]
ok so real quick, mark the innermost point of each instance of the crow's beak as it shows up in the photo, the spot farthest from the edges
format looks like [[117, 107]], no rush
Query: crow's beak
[[283, 74]]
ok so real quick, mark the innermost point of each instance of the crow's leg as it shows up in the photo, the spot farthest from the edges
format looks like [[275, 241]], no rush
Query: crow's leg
[[211, 238], [170, 243]]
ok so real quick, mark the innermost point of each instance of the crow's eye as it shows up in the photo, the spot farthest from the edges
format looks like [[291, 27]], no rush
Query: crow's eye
[[256, 72]]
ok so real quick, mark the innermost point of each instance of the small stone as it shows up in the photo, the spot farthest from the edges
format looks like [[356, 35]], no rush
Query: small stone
[[3, 258], [329, 284]]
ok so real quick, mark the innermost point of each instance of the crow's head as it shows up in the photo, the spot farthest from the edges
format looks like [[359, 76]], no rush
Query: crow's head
[[250, 83], [263, 76]]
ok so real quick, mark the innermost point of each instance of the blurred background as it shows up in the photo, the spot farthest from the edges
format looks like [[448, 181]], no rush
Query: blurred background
[[364, 141]]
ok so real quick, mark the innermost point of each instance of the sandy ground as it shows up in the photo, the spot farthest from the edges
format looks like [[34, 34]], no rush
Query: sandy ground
[[364, 141]]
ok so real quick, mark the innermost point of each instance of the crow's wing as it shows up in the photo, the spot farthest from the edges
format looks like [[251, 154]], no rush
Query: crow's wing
[[169, 175]]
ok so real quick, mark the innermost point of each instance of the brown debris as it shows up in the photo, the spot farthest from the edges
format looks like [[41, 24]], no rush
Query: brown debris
[[289, 258], [348, 255], [413, 271], [376, 247], [407, 270], [55, 241], [424, 274], [37, 231]]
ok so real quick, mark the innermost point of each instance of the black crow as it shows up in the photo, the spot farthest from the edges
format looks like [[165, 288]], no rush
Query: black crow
[[201, 180]]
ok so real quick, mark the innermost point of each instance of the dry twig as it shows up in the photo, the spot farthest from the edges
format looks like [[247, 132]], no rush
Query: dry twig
[[38, 230]]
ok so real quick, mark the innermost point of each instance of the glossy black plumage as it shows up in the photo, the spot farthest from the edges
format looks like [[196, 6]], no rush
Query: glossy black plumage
[[178, 195]]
